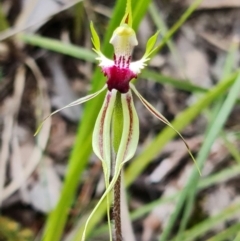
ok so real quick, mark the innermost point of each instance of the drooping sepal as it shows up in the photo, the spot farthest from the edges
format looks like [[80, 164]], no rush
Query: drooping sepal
[[164, 120], [76, 102]]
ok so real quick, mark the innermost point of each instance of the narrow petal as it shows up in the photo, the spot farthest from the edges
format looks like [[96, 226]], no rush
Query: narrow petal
[[76, 102], [130, 135], [104, 62], [164, 120], [95, 39], [101, 134]]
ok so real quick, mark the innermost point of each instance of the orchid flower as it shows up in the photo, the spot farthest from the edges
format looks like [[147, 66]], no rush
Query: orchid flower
[[117, 127]]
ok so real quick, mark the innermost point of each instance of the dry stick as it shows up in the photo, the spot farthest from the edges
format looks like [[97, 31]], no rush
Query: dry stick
[[117, 209]]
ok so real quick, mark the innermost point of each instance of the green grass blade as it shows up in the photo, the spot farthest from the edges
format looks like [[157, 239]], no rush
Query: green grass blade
[[207, 225], [139, 11], [227, 233], [161, 26], [179, 84], [58, 46], [237, 238], [178, 24], [204, 151]]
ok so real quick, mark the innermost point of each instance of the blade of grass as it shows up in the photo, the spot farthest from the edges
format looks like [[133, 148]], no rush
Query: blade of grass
[[139, 11], [160, 24], [227, 233], [59, 47], [205, 226], [179, 84], [237, 238], [178, 24], [217, 125]]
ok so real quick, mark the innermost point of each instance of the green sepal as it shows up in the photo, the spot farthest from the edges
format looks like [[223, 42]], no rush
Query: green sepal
[[150, 45], [164, 120], [74, 103], [95, 39]]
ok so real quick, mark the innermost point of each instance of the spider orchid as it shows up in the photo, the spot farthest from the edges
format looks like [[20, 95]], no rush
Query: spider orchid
[[117, 127]]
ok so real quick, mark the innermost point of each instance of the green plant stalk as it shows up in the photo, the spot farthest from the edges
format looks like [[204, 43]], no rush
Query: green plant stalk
[[203, 153], [79, 155], [227, 233]]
